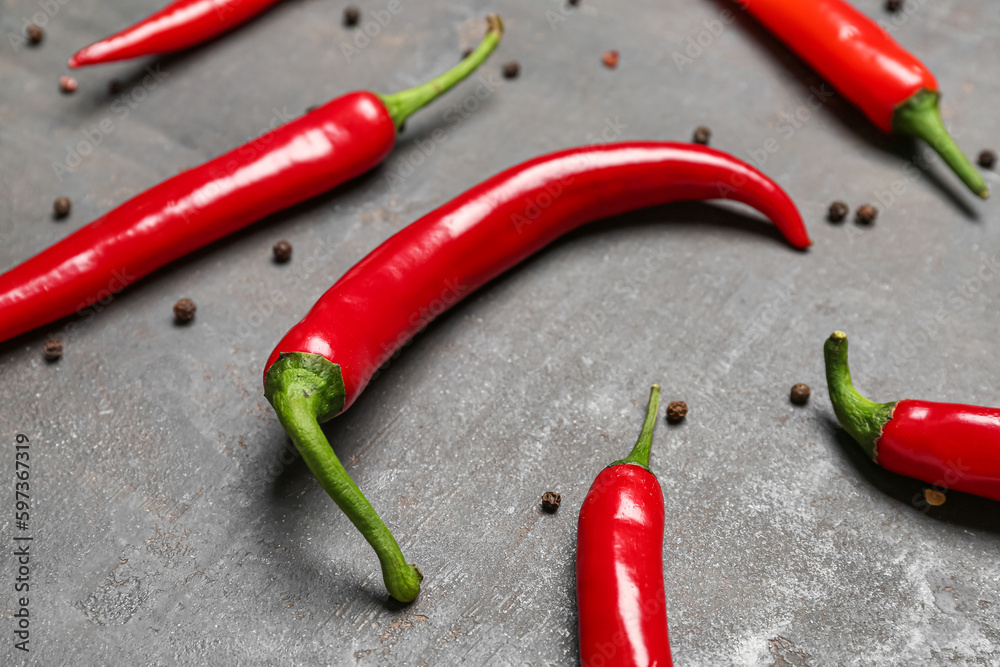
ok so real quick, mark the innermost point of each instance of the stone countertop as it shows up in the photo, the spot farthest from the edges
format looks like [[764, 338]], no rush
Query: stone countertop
[[173, 526]]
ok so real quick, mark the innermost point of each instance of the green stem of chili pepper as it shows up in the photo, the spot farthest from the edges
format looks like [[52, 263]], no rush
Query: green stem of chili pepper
[[401, 105], [862, 418], [640, 453], [919, 116], [305, 390]]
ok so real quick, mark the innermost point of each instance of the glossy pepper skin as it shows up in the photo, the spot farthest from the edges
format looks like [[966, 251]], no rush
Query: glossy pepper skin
[[179, 25], [390, 295], [862, 61], [324, 362], [944, 444], [294, 162], [619, 563]]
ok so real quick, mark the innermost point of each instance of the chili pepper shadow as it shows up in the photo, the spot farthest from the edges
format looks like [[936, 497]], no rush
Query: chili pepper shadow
[[99, 99], [686, 214], [414, 358], [702, 216], [264, 228], [962, 509], [849, 116], [287, 511], [419, 129], [574, 617], [696, 215]]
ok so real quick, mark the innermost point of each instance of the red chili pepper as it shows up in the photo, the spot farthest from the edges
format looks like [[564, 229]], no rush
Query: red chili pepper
[[619, 562], [321, 366], [179, 25], [299, 160], [945, 444], [894, 89]]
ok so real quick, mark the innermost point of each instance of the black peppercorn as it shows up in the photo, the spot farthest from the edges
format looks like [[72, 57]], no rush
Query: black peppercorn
[[866, 214], [282, 251], [987, 159], [61, 207], [53, 349], [184, 310], [550, 501], [34, 34], [838, 211], [800, 394], [676, 411], [351, 16]]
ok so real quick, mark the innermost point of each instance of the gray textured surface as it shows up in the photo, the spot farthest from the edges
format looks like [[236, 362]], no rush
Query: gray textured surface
[[171, 529]]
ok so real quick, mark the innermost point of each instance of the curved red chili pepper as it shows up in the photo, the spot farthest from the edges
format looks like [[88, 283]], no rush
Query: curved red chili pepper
[[179, 25], [945, 444], [387, 296], [321, 366], [619, 562], [894, 89], [299, 160]]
